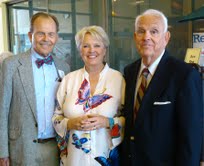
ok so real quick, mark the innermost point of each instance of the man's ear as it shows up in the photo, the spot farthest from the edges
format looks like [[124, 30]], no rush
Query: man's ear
[[167, 36]]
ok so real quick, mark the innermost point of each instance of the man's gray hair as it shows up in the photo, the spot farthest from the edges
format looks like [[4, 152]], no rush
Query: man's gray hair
[[155, 13]]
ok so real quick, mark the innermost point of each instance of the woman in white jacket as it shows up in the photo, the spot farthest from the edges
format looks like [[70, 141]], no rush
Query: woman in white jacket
[[87, 116]]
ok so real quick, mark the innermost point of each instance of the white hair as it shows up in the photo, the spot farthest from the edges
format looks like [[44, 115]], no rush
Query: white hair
[[154, 13]]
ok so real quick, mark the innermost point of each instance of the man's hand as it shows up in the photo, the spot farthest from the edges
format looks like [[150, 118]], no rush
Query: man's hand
[[4, 161]]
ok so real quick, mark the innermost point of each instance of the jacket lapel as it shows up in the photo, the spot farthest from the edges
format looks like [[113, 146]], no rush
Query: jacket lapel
[[131, 78], [26, 76], [156, 87], [59, 64]]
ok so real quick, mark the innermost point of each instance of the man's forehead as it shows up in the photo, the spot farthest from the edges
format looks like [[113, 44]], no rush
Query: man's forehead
[[150, 22], [150, 26]]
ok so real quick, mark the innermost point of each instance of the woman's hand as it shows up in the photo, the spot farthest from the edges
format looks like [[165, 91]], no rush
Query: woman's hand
[[88, 122], [95, 121], [78, 123]]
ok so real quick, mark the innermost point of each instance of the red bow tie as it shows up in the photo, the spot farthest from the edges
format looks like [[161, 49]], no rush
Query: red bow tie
[[40, 62]]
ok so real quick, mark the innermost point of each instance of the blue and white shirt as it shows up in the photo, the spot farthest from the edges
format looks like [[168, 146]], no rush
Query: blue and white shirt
[[46, 84]]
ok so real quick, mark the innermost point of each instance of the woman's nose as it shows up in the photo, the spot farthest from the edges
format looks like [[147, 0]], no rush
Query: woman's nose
[[91, 48]]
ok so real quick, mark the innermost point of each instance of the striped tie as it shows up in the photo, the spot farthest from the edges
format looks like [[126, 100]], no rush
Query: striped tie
[[141, 90]]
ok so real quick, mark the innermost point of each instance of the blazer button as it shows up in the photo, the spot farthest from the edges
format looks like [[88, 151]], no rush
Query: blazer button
[[36, 125], [35, 141], [132, 138]]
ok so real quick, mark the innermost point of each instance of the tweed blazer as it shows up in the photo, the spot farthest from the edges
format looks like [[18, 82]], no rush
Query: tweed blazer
[[19, 127]]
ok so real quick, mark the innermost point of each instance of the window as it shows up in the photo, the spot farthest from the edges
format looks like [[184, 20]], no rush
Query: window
[[117, 17]]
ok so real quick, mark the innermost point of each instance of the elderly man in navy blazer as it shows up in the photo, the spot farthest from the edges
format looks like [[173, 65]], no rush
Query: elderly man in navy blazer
[[164, 119], [28, 87]]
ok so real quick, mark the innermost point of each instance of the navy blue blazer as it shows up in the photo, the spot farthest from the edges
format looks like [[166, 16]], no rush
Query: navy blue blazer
[[168, 127]]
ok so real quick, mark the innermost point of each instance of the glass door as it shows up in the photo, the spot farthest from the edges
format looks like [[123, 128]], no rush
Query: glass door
[[72, 16]]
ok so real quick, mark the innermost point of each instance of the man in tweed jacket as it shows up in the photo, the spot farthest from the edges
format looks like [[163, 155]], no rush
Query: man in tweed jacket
[[27, 138]]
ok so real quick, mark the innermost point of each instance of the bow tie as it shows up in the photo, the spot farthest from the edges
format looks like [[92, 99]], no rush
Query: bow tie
[[40, 62]]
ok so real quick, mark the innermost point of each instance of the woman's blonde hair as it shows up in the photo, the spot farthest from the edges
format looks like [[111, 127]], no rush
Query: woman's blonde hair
[[96, 32]]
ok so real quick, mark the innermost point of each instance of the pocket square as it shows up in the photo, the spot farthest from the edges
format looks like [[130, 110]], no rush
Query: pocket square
[[162, 103], [61, 73]]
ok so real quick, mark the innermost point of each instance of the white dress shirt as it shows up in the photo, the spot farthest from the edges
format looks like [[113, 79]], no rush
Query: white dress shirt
[[152, 68]]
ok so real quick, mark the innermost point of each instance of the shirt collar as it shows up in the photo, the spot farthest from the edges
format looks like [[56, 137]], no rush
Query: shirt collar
[[105, 69], [152, 68]]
